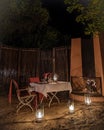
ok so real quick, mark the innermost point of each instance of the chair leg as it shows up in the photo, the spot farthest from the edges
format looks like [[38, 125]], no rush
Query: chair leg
[[18, 109], [25, 102]]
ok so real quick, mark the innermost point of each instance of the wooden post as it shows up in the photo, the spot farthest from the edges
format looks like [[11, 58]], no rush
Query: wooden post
[[19, 62], [38, 64], [76, 58], [54, 60], [99, 61], [66, 54]]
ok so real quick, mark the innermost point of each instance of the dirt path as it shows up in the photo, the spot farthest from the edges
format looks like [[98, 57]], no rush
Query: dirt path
[[56, 118]]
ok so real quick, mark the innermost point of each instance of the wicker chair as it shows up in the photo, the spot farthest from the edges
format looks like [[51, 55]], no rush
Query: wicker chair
[[24, 96]]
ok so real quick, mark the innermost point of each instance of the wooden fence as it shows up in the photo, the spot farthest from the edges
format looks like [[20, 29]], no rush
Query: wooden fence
[[23, 63]]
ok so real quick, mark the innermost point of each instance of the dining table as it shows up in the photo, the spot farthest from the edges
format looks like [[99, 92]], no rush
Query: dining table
[[50, 89]]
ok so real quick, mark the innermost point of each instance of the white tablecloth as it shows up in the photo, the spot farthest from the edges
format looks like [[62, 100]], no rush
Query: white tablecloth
[[50, 87]]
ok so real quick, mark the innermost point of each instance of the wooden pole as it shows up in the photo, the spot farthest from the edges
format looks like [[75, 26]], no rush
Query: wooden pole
[[53, 60], [19, 60]]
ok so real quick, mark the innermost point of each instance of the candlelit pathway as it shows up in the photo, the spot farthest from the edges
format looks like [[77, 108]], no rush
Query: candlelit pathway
[[56, 118]]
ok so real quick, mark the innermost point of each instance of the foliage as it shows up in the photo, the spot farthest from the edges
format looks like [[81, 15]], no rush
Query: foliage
[[91, 85], [23, 23], [90, 14], [50, 38]]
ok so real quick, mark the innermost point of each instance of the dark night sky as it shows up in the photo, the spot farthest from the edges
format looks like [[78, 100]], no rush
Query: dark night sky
[[61, 19]]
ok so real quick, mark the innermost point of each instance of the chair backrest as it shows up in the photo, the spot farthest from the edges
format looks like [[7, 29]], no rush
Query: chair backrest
[[34, 79], [10, 89], [15, 84], [16, 87]]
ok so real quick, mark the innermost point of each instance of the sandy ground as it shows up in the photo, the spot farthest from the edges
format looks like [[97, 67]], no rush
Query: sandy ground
[[57, 117]]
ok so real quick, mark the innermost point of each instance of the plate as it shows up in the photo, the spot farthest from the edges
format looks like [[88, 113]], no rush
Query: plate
[[42, 83], [53, 83]]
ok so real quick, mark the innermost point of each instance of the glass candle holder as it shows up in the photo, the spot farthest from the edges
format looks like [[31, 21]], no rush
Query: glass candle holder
[[87, 99], [39, 113], [71, 106], [55, 77]]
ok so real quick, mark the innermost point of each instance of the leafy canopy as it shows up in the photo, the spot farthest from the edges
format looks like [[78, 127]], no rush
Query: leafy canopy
[[23, 22], [90, 14]]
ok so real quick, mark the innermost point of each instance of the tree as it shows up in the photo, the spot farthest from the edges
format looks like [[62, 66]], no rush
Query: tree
[[90, 13], [23, 23], [50, 38], [54, 38]]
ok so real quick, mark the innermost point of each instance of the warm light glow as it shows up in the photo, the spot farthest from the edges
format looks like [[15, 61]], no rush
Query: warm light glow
[[39, 113], [55, 77], [87, 99], [71, 108]]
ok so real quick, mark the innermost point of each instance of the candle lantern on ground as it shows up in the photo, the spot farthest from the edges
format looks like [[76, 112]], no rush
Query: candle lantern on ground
[[87, 99], [39, 113], [71, 106]]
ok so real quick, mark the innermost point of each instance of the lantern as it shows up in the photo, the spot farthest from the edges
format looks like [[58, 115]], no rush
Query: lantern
[[39, 113], [71, 106], [55, 77], [87, 99]]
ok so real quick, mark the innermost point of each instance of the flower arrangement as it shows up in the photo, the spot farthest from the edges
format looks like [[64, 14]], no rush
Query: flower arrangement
[[91, 85], [47, 77]]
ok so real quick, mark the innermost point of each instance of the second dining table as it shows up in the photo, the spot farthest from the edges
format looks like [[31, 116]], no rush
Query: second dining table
[[47, 89]]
